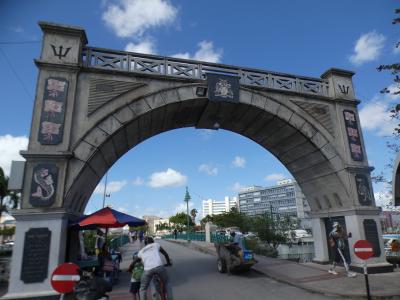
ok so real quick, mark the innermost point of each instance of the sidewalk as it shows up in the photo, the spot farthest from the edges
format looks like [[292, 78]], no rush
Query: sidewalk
[[315, 277], [121, 289]]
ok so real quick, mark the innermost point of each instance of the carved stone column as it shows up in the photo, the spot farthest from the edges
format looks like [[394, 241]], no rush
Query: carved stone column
[[42, 221]]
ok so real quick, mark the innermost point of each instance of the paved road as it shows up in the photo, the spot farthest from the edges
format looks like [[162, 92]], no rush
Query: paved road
[[194, 276]]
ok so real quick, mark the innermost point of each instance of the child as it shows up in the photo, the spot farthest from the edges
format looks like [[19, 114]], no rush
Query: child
[[136, 268]]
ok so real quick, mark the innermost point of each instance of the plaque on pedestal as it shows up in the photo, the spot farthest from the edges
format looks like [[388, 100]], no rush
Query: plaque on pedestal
[[35, 262]]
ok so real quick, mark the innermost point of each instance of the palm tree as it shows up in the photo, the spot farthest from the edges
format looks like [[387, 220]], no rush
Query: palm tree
[[206, 219], [193, 213]]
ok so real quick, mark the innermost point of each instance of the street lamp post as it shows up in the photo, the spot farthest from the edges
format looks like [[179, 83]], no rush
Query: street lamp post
[[105, 191], [187, 198]]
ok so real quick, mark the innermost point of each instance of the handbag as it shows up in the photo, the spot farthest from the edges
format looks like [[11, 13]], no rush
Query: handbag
[[332, 242]]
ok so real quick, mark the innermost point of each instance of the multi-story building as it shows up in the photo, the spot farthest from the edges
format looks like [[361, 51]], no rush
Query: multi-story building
[[150, 222], [283, 199], [214, 207]]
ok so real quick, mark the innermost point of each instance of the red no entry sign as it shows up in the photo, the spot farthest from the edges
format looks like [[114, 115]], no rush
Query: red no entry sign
[[363, 249], [65, 277]]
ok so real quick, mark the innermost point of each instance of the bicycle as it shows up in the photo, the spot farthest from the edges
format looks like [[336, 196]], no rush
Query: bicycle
[[158, 289]]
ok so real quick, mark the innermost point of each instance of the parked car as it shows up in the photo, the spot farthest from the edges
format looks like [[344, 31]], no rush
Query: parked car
[[6, 247], [298, 235]]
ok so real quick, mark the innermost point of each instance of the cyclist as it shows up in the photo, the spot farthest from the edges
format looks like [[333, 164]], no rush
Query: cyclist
[[153, 264]]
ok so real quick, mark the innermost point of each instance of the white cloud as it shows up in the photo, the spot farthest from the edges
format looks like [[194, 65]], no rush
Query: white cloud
[[148, 210], [181, 207], [146, 46], [9, 150], [206, 52], [368, 48], [122, 209], [206, 134], [138, 181], [239, 162], [112, 187], [375, 115], [130, 18], [275, 177], [208, 169], [168, 178], [237, 187], [383, 199], [16, 29]]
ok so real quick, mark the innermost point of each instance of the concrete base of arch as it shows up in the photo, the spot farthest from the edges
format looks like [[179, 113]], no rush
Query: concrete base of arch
[[56, 223], [355, 224]]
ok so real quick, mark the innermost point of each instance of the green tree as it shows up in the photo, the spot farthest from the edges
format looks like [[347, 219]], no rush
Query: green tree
[[233, 218], [162, 226], [206, 219], [180, 219], [273, 229], [392, 144], [143, 228], [193, 214], [394, 69]]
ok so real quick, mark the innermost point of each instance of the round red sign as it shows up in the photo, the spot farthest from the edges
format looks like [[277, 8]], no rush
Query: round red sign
[[65, 277], [363, 249]]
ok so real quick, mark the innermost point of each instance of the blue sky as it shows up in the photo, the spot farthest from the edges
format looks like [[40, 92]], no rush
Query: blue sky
[[299, 37]]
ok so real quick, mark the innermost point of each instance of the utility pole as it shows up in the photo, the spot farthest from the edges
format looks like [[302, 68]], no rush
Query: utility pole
[[105, 191], [187, 199]]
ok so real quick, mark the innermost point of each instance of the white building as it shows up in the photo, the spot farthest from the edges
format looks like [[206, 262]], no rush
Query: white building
[[214, 207], [160, 222]]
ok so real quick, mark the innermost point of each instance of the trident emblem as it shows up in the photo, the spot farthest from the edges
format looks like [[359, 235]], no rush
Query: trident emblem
[[344, 89], [60, 53]]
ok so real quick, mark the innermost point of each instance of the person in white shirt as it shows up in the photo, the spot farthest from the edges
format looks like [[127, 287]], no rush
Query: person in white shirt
[[153, 264]]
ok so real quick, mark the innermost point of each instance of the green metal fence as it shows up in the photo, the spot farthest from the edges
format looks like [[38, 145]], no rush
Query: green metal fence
[[199, 236], [219, 238], [118, 241], [193, 236]]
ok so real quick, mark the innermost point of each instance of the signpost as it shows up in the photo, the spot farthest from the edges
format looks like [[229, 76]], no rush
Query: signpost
[[64, 278], [364, 250]]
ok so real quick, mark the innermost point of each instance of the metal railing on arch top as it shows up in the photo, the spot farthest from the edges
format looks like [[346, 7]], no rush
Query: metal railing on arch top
[[99, 58]]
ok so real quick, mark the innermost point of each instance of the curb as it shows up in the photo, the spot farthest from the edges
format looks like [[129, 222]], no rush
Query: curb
[[277, 278]]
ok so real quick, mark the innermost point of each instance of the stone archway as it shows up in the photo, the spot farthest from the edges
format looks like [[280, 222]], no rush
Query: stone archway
[[94, 105]]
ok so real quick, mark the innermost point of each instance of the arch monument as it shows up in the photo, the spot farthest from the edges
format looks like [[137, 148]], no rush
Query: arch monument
[[92, 105]]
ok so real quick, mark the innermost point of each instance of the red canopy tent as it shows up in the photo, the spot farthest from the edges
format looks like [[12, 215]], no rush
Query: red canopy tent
[[109, 218]]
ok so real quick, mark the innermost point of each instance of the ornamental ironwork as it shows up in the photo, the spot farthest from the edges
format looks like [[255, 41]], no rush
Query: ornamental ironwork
[[181, 68]]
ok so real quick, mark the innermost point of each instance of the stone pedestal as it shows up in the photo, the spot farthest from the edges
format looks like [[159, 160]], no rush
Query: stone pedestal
[[36, 285], [208, 232], [320, 241], [362, 226]]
